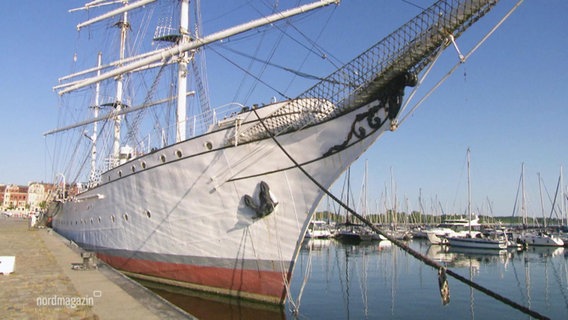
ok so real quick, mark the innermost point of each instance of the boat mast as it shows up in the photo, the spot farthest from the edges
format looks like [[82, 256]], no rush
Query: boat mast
[[523, 203], [348, 191], [541, 201], [124, 26], [564, 216], [96, 108], [182, 73], [364, 211], [421, 206], [394, 210], [469, 189], [162, 55]]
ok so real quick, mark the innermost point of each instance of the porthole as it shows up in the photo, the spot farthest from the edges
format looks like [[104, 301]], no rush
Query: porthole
[[112, 218], [126, 217], [120, 173], [209, 145], [163, 158], [143, 165], [148, 214], [133, 168], [91, 220], [178, 153], [100, 219]]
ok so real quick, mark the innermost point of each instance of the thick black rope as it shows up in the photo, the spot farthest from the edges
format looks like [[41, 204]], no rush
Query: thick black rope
[[401, 244]]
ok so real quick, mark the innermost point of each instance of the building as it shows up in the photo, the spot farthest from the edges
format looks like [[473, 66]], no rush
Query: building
[[2, 190], [37, 195], [15, 198], [25, 199]]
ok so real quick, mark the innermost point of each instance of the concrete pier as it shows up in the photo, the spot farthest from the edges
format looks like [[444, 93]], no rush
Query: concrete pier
[[44, 285]]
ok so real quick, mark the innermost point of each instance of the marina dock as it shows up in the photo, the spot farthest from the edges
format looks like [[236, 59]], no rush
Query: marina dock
[[43, 284]]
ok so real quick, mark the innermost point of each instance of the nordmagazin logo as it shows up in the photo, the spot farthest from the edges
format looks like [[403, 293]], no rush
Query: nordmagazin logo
[[68, 302]]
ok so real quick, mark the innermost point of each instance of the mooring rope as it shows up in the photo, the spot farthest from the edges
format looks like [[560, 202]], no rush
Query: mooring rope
[[441, 269]]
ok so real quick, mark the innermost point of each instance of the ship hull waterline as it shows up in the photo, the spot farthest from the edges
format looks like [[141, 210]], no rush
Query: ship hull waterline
[[181, 220]]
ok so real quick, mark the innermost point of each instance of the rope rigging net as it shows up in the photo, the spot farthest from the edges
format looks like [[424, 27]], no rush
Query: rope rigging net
[[407, 50]]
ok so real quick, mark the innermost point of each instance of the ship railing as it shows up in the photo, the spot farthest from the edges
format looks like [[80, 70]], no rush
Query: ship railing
[[206, 121]]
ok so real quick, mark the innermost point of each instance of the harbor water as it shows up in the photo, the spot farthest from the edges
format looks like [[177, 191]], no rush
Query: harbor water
[[377, 280]]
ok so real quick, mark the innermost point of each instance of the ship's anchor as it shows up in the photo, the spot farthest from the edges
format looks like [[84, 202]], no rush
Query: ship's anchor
[[267, 202]]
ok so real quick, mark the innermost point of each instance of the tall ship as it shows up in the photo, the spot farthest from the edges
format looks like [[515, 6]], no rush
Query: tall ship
[[218, 199]]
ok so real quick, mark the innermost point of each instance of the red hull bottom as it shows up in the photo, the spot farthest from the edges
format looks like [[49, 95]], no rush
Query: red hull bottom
[[264, 286]]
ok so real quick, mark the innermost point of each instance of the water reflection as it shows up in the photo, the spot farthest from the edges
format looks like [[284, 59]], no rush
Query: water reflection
[[377, 280], [457, 257], [536, 277], [203, 306], [546, 252]]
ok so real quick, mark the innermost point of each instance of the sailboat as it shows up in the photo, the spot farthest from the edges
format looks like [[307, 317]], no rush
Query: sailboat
[[351, 232], [476, 239], [535, 237], [224, 207], [318, 229], [449, 228]]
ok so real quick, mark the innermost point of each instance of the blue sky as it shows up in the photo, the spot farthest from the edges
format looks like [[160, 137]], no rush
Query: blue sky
[[508, 102]]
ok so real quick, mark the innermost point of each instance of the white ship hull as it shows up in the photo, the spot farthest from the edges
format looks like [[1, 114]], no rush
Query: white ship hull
[[477, 243], [182, 219], [438, 235], [227, 211], [543, 240]]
